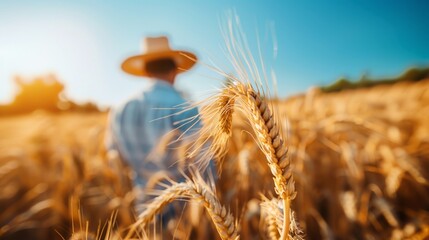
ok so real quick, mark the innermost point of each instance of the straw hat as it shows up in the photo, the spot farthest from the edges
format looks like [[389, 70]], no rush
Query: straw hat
[[154, 48]]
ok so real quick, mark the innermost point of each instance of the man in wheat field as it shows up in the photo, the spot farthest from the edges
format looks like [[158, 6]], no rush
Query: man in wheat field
[[138, 126]]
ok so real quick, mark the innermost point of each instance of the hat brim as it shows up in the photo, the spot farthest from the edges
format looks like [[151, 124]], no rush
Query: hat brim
[[135, 65]]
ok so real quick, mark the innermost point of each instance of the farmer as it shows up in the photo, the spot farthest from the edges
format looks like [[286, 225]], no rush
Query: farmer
[[138, 126]]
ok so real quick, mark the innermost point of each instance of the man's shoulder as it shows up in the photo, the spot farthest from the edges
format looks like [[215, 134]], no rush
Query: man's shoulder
[[152, 96], [161, 94], [128, 103]]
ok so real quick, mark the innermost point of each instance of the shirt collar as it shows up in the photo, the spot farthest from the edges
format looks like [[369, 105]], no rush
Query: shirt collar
[[161, 83]]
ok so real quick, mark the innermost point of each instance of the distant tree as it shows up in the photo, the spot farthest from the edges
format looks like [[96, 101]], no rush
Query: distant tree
[[342, 83], [43, 92], [414, 74]]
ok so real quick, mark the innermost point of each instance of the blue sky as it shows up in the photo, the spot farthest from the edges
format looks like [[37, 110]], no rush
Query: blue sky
[[84, 42]]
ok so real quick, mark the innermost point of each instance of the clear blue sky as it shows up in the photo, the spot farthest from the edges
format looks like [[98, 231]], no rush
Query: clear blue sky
[[84, 42]]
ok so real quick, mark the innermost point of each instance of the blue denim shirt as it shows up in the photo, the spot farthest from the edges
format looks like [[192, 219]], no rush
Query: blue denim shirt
[[137, 126]]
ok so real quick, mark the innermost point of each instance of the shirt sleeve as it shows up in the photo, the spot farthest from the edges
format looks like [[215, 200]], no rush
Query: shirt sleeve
[[125, 131]]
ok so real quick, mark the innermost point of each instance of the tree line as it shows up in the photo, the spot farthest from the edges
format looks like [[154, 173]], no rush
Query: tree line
[[412, 74], [42, 93]]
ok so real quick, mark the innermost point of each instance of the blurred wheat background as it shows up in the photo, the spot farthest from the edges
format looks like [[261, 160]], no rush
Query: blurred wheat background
[[360, 160]]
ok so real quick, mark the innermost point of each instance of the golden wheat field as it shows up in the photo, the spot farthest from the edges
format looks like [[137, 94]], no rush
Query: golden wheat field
[[347, 165]]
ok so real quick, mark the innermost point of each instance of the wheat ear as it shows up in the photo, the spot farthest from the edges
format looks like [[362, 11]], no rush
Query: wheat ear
[[272, 213], [216, 131], [268, 135], [192, 189], [272, 145]]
